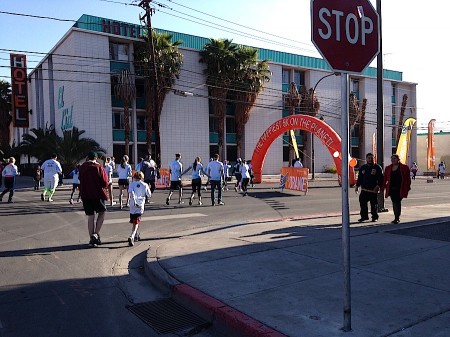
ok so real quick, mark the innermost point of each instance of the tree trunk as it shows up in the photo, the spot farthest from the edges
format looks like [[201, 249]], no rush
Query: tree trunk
[[127, 126]]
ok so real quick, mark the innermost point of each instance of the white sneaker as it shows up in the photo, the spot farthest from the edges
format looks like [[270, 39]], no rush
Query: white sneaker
[[50, 199], [130, 241], [112, 203]]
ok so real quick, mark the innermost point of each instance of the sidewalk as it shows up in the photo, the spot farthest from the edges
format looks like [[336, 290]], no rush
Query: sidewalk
[[285, 278]]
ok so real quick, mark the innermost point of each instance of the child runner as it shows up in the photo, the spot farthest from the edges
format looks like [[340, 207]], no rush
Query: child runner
[[75, 183], [37, 178], [138, 191]]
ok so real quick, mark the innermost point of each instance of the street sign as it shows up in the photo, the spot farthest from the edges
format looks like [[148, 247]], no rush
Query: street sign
[[346, 33]]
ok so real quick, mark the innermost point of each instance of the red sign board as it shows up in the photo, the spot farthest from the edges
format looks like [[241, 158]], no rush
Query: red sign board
[[346, 33], [19, 90]]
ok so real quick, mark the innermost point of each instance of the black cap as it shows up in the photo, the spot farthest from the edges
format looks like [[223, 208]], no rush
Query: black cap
[[92, 155]]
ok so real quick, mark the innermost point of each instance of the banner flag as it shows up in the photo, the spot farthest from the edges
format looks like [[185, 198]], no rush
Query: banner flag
[[374, 146], [294, 143], [403, 142], [431, 157]]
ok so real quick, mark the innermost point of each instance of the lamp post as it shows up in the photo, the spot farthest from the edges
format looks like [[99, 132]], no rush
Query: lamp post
[[313, 156]]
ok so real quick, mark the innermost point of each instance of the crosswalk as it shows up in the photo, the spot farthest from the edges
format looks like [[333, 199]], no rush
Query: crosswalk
[[154, 217]]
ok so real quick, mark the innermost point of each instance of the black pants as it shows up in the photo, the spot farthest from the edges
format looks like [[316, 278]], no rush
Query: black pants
[[9, 187], [364, 198], [396, 203]]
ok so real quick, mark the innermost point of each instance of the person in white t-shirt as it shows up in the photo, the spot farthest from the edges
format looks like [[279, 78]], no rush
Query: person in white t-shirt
[[175, 169], [52, 169], [215, 172], [9, 174], [138, 191], [109, 168]]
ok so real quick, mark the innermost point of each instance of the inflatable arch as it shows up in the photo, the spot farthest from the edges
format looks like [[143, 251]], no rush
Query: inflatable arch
[[317, 127]]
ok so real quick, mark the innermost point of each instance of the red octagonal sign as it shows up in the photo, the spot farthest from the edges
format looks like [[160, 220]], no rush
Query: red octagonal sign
[[346, 33]]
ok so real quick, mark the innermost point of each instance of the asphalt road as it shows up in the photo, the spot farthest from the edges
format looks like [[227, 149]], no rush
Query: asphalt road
[[52, 284]]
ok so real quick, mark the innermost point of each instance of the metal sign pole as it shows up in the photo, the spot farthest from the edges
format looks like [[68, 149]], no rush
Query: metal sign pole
[[345, 203]]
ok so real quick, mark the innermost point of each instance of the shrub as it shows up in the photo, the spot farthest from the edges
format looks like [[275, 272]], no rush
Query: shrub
[[330, 169]]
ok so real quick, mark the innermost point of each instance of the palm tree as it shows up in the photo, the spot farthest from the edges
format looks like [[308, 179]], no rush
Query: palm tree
[[250, 78], [125, 89], [72, 149], [158, 81], [5, 116], [39, 143], [219, 57]]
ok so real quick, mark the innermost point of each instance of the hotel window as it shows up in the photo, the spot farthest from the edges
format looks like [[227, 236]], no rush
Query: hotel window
[[118, 52]]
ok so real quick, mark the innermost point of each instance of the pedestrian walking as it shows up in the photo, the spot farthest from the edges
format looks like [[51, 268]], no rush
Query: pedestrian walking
[[298, 163], [37, 177], [237, 174], [109, 169], [226, 174], [215, 172], [441, 170], [245, 174], [175, 169], [151, 172], [75, 183], [124, 171], [370, 180], [93, 183], [196, 183], [52, 170], [9, 174], [396, 184], [414, 170], [138, 166], [138, 191], [206, 170]]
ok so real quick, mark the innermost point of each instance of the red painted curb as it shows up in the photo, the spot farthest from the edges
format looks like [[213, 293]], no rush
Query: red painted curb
[[230, 316]]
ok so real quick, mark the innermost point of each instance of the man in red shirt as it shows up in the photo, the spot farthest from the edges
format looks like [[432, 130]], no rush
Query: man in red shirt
[[93, 184]]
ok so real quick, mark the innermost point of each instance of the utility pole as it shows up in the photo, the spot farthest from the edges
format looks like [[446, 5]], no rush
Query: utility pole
[[380, 110], [145, 4]]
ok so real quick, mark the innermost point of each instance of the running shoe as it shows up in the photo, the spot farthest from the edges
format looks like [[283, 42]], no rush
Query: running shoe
[[221, 203], [50, 199], [137, 237], [93, 241], [42, 197], [190, 202], [130, 241], [71, 201], [167, 201]]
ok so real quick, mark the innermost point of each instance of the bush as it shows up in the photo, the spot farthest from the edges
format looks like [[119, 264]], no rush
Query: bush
[[330, 169]]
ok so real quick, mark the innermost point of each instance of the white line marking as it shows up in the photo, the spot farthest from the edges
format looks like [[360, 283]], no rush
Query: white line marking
[[157, 217]]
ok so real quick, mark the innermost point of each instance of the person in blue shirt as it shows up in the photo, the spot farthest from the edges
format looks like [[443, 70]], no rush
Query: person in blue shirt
[[75, 183], [197, 173]]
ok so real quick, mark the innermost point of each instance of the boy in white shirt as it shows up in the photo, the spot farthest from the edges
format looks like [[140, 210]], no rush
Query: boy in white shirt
[[138, 191]]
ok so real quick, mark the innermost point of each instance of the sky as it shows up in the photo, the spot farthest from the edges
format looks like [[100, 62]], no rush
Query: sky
[[410, 34]]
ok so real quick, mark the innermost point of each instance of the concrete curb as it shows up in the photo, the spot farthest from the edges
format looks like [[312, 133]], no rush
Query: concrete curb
[[222, 316]]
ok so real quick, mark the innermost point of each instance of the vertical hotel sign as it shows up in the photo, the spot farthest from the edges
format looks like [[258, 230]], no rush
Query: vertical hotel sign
[[19, 90]]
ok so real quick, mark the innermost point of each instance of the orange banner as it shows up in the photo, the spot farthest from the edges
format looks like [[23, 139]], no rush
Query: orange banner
[[374, 146], [431, 157], [164, 180], [294, 178]]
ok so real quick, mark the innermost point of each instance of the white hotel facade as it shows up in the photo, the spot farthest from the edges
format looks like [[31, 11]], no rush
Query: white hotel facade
[[72, 86]]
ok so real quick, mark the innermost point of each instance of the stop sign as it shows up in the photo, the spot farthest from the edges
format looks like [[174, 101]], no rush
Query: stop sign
[[346, 33]]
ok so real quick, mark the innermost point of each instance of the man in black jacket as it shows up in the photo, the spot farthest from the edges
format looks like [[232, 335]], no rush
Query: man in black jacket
[[370, 179]]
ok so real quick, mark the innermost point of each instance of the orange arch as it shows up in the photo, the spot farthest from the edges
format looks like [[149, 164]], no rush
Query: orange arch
[[317, 127]]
